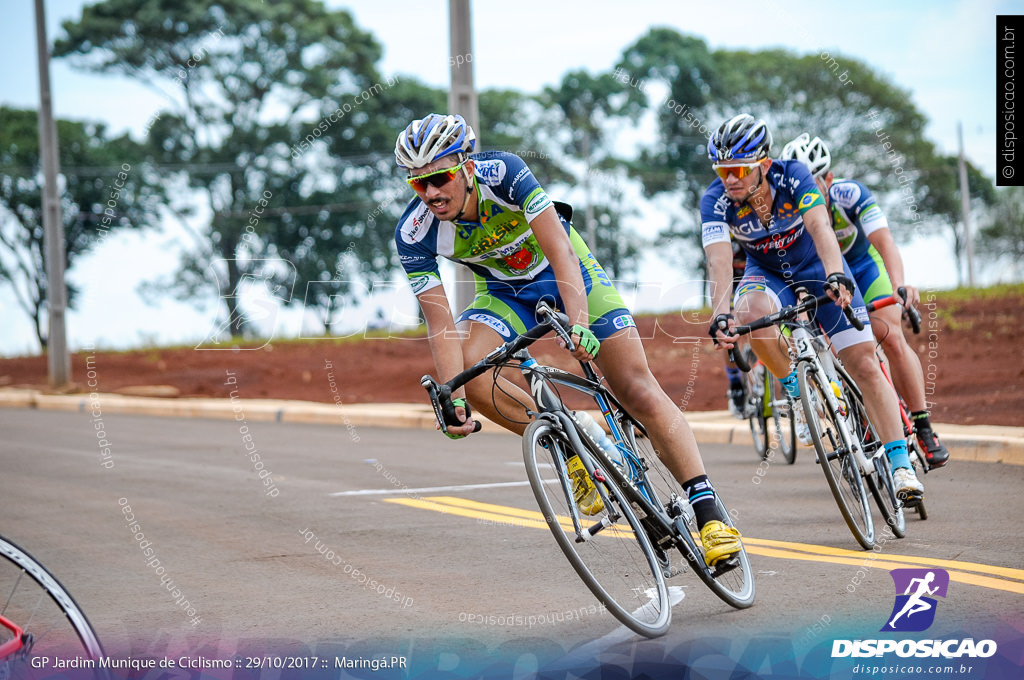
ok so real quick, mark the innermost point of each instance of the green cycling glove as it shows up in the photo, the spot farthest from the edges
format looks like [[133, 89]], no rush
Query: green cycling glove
[[587, 339], [458, 401]]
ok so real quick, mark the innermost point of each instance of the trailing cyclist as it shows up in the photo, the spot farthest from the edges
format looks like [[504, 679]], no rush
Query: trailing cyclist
[[487, 211], [775, 212], [868, 247]]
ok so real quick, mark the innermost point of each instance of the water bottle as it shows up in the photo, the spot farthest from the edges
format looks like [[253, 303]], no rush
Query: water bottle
[[841, 401], [591, 427]]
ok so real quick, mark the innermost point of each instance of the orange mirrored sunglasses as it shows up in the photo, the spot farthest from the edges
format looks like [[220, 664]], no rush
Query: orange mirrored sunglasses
[[738, 171]]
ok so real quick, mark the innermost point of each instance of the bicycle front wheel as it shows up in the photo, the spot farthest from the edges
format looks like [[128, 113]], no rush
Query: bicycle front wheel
[[756, 405], [50, 622], [880, 482], [837, 461], [782, 418], [618, 563]]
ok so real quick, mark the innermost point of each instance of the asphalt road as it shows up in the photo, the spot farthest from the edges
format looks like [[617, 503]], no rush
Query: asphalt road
[[407, 568]]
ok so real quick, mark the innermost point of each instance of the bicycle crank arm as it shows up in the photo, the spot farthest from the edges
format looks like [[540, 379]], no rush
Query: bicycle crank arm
[[587, 534]]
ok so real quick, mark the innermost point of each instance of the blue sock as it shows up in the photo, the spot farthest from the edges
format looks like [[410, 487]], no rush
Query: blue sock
[[792, 385], [897, 452], [734, 376]]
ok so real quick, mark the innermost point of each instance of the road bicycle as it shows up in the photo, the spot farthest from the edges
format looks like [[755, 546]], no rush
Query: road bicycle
[[765, 405], [917, 458], [39, 619], [623, 552], [846, 444]]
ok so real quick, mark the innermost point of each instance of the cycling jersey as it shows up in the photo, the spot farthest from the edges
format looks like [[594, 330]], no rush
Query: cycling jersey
[[855, 215], [784, 238], [512, 274], [500, 245], [781, 255]]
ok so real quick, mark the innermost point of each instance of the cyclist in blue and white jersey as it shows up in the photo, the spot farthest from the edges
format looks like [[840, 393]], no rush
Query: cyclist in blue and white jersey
[[868, 247], [777, 214], [488, 211]]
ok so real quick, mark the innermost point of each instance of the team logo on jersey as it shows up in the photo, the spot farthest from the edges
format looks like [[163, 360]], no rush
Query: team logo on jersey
[[490, 172], [845, 194], [743, 211], [539, 202], [520, 260], [491, 321], [416, 228], [624, 321]]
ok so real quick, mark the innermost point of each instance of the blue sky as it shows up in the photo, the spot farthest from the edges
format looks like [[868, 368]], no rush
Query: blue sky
[[942, 52]]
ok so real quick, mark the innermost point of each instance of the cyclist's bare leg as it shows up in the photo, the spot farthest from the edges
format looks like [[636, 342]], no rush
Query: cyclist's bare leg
[[624, 364], [905, 366], [767, 343], [481, 340], [879, 397]]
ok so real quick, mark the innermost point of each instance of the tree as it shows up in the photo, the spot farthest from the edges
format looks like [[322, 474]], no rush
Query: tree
[[872, 127], [106, 186], [1001, 236], [584, 109], [272, 122]]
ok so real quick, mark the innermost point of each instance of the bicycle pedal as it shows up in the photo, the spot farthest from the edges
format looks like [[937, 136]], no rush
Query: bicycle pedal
[[725, 566], [910, 500]]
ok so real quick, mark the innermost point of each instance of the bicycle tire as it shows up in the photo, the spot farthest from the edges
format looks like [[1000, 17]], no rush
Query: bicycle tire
[[880, 482], [62, 631], [736, 587], [755, 402], [917, 460], [782, 418], [840, 467], [619, 564]]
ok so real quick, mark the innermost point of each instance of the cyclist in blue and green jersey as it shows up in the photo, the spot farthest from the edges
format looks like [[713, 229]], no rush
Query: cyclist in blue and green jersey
[[867, 244], [488, 211], [776, 213]]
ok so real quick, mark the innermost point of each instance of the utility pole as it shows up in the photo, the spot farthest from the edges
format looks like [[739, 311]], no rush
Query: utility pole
[[965, 204], [462, 100], [58, 358]]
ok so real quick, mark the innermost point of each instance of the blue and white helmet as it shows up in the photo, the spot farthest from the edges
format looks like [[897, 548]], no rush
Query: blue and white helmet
[[433, 137], [741, 138], [811, 152]]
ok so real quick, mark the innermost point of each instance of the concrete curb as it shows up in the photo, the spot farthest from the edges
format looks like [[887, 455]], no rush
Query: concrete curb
[[981, 443]]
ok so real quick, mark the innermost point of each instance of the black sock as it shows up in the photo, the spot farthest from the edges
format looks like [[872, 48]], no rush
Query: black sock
[[702, 499], [921, 420]]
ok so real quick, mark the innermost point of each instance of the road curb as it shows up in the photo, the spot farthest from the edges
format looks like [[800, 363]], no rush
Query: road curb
[[977, 443]]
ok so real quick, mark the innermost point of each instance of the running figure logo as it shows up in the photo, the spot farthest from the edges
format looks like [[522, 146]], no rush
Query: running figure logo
[[913, 610]]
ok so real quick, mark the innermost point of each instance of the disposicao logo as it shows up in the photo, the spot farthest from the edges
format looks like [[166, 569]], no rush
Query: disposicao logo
[[914, 611]]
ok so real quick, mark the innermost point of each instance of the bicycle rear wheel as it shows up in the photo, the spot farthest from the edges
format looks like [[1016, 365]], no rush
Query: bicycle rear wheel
[[618, 564], [782, 419], [50, 621], [838, 463], [734, 587]]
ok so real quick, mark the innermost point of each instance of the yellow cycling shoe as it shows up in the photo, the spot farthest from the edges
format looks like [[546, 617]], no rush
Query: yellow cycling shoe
[[720, 540], [583, 490]]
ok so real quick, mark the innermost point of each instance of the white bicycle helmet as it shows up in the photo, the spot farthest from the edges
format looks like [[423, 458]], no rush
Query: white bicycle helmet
[[811, 152], [433, 137]]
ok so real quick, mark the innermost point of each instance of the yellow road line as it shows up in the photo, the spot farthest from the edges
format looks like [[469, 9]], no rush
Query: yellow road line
[[958, 571]]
